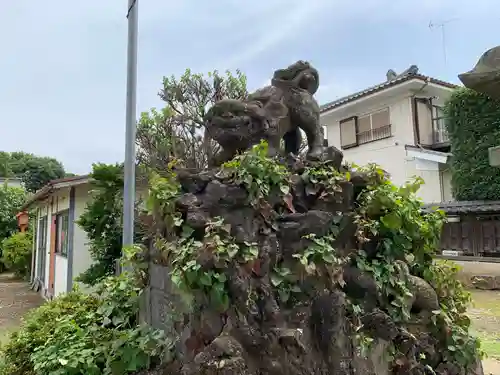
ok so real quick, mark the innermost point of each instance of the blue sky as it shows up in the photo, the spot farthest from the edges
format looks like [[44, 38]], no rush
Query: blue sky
[[63, 63]]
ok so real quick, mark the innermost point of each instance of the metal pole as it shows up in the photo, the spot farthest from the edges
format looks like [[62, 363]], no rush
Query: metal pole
[[129, 170]]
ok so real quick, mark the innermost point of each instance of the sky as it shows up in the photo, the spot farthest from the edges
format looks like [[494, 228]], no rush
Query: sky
[[63, 63]]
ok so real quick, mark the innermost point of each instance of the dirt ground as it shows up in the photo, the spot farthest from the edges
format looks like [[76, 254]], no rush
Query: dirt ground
[[485, 317], [15, 300]]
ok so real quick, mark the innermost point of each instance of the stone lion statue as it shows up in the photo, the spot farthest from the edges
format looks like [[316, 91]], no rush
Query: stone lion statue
[[274, 113]]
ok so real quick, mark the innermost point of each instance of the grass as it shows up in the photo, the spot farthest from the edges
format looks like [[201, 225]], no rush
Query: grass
[[4, 334], [485, 317]]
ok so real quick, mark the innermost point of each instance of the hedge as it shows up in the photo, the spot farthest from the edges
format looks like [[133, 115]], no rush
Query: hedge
[[473, 124]]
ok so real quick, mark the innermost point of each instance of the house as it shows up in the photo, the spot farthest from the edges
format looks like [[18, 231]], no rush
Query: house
[[60, 246], [11, 181], [398, 124], [61, 249]]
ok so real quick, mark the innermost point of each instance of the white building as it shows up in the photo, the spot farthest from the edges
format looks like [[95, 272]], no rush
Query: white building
[[399, 125], [60, 245]]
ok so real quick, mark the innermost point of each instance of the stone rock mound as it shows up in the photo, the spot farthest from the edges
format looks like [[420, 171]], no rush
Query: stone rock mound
[[280, 310]]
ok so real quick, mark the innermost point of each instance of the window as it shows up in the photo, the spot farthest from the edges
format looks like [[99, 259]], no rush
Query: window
[[439, 125], [62, 241], [348, 132], [372, 127]]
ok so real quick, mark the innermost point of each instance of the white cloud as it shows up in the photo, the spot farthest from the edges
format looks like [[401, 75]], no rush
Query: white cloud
[[63, 63]]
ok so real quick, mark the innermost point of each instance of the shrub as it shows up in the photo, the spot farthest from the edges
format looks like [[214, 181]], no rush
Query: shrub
[[102, 221], [80, 333], [11, 200], [16, 253], [473, 126]]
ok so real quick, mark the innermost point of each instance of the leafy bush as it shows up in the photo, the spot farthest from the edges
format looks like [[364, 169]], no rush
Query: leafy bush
[[11, 200], [80, 333], [473, 126], [16, 253], [102, 221], [394, 214]]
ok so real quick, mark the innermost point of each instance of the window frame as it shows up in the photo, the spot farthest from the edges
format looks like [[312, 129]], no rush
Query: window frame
[[371, 130], [343, 121], [438, 122], [370, 115], [62, 249]]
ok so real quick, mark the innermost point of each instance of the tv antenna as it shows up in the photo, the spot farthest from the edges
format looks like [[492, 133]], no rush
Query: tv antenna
[[442, 25]]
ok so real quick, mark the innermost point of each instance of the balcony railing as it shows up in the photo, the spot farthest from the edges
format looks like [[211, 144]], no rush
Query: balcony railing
[[374, 134]]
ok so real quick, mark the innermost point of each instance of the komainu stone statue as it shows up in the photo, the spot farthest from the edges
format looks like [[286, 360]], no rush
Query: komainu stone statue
[[485, 77], [274, 113]]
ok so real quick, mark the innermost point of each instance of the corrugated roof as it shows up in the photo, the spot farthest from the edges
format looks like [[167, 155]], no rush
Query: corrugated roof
[[382, 86], [465, 207]]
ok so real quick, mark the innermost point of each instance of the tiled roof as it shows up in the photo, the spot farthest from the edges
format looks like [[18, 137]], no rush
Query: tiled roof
[[465, 207], [382, 86]]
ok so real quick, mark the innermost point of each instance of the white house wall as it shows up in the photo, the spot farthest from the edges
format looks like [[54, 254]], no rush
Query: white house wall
[[61, 275], [81, 255], [389, 153], [60, 203]]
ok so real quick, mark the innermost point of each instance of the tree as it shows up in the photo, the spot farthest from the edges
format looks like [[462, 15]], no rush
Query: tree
[[473, 124], [102, 220], [11, 201], [34, 171], [177, 131]]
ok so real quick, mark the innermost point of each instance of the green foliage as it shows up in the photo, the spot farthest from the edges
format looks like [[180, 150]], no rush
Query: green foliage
[[16, 253], [257, 172], [35, 171], [162, 193], [473, 124], [393, 214], [324, 178], [80, 333], [451, 321], [286, 284], [177, 131], [11, 201], [189, 275], [102, 221]]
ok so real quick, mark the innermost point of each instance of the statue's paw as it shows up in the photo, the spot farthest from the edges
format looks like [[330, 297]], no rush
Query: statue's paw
[[315, 154]]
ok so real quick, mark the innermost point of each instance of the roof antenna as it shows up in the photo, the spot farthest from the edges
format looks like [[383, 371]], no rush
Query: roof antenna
[[443, 34]]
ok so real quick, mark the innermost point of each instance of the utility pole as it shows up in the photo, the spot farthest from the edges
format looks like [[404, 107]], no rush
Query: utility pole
[[130, 124], [443, 34]]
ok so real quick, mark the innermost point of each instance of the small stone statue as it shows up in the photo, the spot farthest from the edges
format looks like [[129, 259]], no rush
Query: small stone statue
[[273, 113], [485, 77]]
